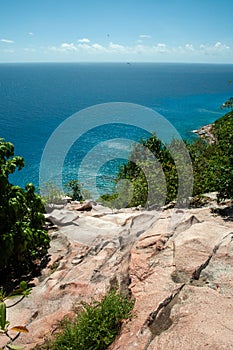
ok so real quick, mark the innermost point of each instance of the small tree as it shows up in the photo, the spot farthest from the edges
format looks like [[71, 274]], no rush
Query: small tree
[[22, 236], [74, 190]]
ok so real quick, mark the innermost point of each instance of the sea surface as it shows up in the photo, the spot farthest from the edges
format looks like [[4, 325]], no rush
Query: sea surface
[[36, 98]]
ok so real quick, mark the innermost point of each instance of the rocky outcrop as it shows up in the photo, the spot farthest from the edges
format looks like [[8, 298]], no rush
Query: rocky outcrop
[[205, 132], [177, 264], [182, 282]]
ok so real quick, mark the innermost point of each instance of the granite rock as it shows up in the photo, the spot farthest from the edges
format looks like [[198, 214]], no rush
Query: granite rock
[[176, 264]]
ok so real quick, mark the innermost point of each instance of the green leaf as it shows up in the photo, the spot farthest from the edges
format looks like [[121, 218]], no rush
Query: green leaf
[[2, 315], [15, 347], [23, 285]]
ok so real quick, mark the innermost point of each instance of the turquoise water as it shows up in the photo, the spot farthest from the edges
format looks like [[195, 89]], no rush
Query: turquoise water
[[36, 98]]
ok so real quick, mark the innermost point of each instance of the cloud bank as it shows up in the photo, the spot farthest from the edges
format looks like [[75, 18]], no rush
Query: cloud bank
[[85, 46], [143, 49]]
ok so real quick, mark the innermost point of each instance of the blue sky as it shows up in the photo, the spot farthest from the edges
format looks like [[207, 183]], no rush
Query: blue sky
[[119, 30]]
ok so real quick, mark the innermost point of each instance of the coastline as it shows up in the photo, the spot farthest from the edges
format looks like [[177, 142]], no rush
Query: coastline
[[205, 133]]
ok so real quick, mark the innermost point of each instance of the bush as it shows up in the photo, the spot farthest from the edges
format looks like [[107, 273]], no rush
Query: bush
[[22, 237], [96, 327]]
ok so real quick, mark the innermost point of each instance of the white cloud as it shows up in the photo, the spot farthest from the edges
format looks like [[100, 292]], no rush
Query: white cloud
[[112, 47], [68, 47], [161, 48], [217, 48], [84, 46], [7, 41], [117, 47], [81, 47], [31, 34], [64, 47], [94, 48], [221, 47], [84, 41], [145, 36], [98, 47], [140, 51], [189, 47]]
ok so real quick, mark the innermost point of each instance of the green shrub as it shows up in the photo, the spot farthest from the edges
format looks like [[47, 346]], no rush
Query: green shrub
[[96, 327], [22, 236]]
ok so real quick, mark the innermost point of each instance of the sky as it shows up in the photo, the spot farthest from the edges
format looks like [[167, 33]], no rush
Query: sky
[[116, 31]]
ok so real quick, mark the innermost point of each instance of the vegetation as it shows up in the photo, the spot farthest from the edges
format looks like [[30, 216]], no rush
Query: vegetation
[[228, 104], [74, 190], [223, 131], [155, 174], [51, 194], [22, 236], [153, 170], [212, 165], [95, 327]]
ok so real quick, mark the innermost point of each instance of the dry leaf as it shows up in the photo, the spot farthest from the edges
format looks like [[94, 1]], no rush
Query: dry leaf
[[20, 329]]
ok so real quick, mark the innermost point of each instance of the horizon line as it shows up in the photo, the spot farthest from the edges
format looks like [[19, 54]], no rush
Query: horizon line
[[115, 62]]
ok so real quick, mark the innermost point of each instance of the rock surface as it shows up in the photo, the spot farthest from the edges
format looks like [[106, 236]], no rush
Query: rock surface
[[205, 132], [177, 264]]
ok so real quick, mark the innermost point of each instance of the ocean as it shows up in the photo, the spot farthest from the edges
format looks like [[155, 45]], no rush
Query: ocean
[[35, 99]]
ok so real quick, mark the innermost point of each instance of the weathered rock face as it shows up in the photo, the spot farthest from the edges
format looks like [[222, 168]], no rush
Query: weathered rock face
[[182, 280], [178, 265]]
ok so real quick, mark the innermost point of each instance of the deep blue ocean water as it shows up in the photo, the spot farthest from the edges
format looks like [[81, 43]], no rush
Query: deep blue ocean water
[[36, 98]]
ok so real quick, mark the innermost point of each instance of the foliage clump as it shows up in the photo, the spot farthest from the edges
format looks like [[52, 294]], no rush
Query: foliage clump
[[23, 238], [152, 175], [159, 180], [96, 326], [212, 165], [228, 104]]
